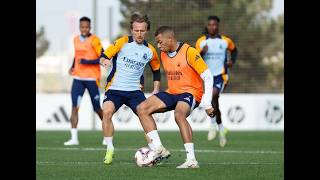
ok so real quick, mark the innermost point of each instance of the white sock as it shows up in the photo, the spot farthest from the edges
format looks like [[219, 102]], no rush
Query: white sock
[[155, 139], [190, 150], [221, 128], [74, 133], [213, 121], [109, 143], [151, 146]]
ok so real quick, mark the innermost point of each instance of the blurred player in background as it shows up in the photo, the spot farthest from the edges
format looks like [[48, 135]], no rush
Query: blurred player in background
[[186, 71], [129, 56], [213, 48], [86, 73]]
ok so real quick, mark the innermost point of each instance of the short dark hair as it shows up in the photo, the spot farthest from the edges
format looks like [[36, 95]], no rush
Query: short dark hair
[[84, 18], [163, 29], [214, 18], [137, 17]]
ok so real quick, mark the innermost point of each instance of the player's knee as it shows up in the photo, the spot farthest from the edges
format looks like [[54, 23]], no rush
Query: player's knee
[[142, 109], [215, 95], [179, 115], [107, 114]]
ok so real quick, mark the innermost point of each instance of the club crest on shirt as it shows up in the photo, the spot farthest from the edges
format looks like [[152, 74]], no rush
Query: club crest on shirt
[[145, 56]]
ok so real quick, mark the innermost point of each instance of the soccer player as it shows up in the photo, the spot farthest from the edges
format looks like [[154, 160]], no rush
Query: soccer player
[[130, 54], [213, 48], [86, 73], [186, 71]]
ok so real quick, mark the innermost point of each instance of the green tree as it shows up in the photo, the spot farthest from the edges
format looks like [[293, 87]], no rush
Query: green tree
[[274, 58], [42, 44], [245, 21]]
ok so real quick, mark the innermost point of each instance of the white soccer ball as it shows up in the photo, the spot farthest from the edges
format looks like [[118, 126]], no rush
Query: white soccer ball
[[144, 157]]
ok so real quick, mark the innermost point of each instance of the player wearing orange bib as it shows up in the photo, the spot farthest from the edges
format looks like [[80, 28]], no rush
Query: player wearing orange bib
[[86, 73], [186, 72]]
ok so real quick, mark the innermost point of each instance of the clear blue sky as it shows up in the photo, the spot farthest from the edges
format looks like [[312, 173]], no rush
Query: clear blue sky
[[52, 14]]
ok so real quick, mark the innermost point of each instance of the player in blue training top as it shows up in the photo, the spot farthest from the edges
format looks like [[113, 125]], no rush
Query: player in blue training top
[[214, 48], [130, 55]]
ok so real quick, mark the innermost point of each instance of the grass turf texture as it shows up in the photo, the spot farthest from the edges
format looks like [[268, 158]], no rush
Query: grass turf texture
[[247, 155]]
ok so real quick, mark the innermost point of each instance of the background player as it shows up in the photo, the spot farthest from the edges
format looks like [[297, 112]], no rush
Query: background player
[[213, 48], [86, 73]]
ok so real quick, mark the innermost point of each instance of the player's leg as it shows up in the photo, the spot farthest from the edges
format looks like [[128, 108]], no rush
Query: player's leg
[[148, 141], [218, 86], [185, 104], [146, 108], [215, 103], [217, 89], [77, 91], [94, 93], [153, 104], [111, 103], [93, 89], [222, 130], [150, 144], [108, 130], [213, 120]]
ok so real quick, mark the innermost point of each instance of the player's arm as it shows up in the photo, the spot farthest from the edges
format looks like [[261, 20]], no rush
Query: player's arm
[[74, 59], [233, 51], [72, 66], [155, 68], [96, 44], [142, 82], [197, 63], [234, 55], [112, 50], [198, 48]]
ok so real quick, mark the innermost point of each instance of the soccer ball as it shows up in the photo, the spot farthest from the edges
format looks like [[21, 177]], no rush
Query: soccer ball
[[144, 157]]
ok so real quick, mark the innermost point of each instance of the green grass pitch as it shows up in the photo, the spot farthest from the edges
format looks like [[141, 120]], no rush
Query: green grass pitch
[[247, 155]]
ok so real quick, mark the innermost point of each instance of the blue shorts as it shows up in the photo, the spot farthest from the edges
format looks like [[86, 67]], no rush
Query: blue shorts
[[220, 81], [130, 98], [171, 100], [77, 91]]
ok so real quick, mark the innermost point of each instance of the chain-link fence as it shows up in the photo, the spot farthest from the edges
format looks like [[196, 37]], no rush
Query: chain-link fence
[[258, 37]]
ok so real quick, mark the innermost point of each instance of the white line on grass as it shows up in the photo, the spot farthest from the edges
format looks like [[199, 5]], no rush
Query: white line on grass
[[173, 150], [210, 163]]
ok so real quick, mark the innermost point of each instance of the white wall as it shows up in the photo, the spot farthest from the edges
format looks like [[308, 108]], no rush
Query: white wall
[[239, 112]]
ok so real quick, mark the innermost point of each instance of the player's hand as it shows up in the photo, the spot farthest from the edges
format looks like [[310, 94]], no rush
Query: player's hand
[[205, 49], [141, 87], [105, 62], [210, 112], [70, 71], [229, 63]]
